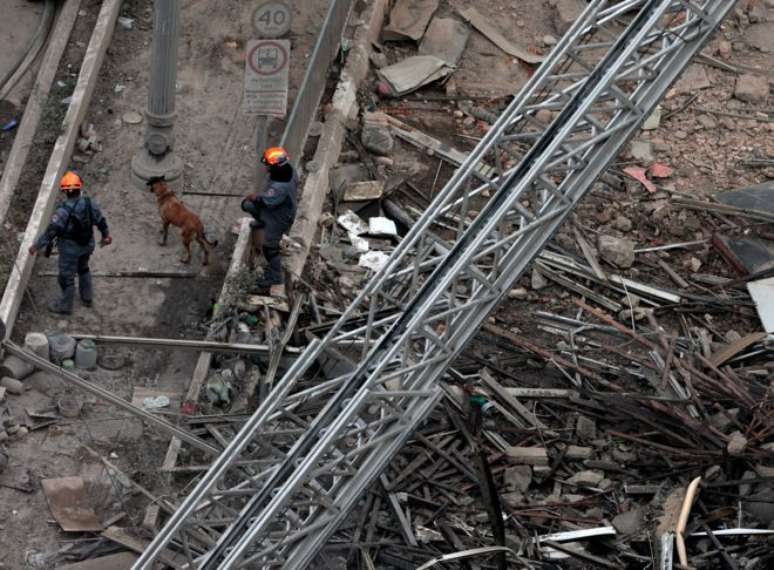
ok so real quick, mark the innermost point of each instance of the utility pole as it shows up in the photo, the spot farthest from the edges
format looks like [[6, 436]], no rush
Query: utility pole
[[157, 157]]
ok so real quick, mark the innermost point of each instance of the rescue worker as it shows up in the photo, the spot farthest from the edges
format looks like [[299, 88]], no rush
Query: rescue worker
[[274, 211], [72, 225]]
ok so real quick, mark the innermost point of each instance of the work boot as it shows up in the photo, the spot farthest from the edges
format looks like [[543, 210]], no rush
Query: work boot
[[85, 288], [60, 309]]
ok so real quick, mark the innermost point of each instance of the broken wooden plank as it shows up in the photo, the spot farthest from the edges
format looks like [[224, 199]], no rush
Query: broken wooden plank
[[524, 343], [405, 524], [722, 209], [527, 455], [278, 349], [732, 349], [428, 143], [641, 289], [541, 393], [582, 290], [588, 253], [673, 275], [508, 398]]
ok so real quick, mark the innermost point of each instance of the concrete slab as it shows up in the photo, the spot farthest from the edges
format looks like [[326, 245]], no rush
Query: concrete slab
[[446, 39]]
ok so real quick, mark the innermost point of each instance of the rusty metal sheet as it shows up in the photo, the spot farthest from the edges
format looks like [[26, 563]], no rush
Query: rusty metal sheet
[[70, 504]]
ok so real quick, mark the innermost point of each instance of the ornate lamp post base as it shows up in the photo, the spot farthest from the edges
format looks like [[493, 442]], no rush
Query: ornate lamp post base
[[157, 157], [146, 165]]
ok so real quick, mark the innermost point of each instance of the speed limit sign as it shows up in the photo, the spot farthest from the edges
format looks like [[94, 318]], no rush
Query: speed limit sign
[[272, 19]]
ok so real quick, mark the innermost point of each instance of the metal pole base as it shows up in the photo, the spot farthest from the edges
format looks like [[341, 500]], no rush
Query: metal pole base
[[146, 165]]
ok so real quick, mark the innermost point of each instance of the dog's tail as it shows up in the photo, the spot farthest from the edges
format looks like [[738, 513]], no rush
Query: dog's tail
[[213, 243]]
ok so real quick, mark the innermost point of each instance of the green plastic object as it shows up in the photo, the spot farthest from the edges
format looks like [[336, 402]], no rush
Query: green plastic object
[[251, 320], [482, 402]]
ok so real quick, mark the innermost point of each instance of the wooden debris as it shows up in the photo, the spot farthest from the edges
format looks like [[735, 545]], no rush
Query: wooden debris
[[430, 144], [682, 521], [527, 455], [732, 349]]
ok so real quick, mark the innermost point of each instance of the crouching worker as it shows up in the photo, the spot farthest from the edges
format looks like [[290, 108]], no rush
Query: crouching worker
[[72, 226], [274, 211]]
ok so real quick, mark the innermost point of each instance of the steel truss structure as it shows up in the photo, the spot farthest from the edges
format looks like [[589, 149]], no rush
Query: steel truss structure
[[322, 446]]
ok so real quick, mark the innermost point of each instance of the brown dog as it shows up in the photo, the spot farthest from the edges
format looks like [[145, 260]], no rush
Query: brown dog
[[174, 212]]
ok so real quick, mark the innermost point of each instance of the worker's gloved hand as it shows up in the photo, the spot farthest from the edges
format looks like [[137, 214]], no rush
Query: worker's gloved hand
[[252, 204], [32, 250], [107, 240]]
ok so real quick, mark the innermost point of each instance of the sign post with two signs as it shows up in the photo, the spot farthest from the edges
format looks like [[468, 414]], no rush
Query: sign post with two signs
[[267, 62]]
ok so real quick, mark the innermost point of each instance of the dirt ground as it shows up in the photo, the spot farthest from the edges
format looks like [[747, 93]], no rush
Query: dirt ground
[[216, 142]]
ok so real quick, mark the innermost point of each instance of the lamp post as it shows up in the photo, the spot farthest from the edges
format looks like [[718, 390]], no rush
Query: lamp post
[[157, 157]]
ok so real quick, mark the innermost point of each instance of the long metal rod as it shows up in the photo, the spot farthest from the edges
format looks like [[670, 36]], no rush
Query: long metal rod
[[236, 445], [182, 344], [90, 387]]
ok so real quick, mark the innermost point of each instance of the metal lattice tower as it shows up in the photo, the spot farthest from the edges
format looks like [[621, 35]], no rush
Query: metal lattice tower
[[301, 462]]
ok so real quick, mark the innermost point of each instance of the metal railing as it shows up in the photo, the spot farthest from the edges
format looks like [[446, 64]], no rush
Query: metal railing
[[313, 87]]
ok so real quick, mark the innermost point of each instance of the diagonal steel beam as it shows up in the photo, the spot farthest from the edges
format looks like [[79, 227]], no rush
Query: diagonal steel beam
[[440, 290]]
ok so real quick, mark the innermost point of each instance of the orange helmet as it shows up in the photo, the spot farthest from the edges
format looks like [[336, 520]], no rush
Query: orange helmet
[[70, 181], [275, 156]]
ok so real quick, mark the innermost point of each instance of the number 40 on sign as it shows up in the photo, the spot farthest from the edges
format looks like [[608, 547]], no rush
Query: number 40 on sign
[[272, 19]]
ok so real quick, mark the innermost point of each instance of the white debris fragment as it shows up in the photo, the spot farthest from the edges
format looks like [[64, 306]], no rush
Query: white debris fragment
[[360, 244], [380, 226], [373, 260], [351, 222], [155, 402]]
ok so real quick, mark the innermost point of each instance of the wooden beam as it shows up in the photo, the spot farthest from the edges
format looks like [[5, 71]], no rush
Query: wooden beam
[[316, 186], [22, 142], [60, 157]]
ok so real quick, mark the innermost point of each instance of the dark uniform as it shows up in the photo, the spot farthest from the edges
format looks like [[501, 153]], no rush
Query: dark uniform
[[72, 225], [274, 211]]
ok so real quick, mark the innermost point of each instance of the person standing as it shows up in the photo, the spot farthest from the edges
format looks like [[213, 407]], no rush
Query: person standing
[[72, 226], [274, 211]]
